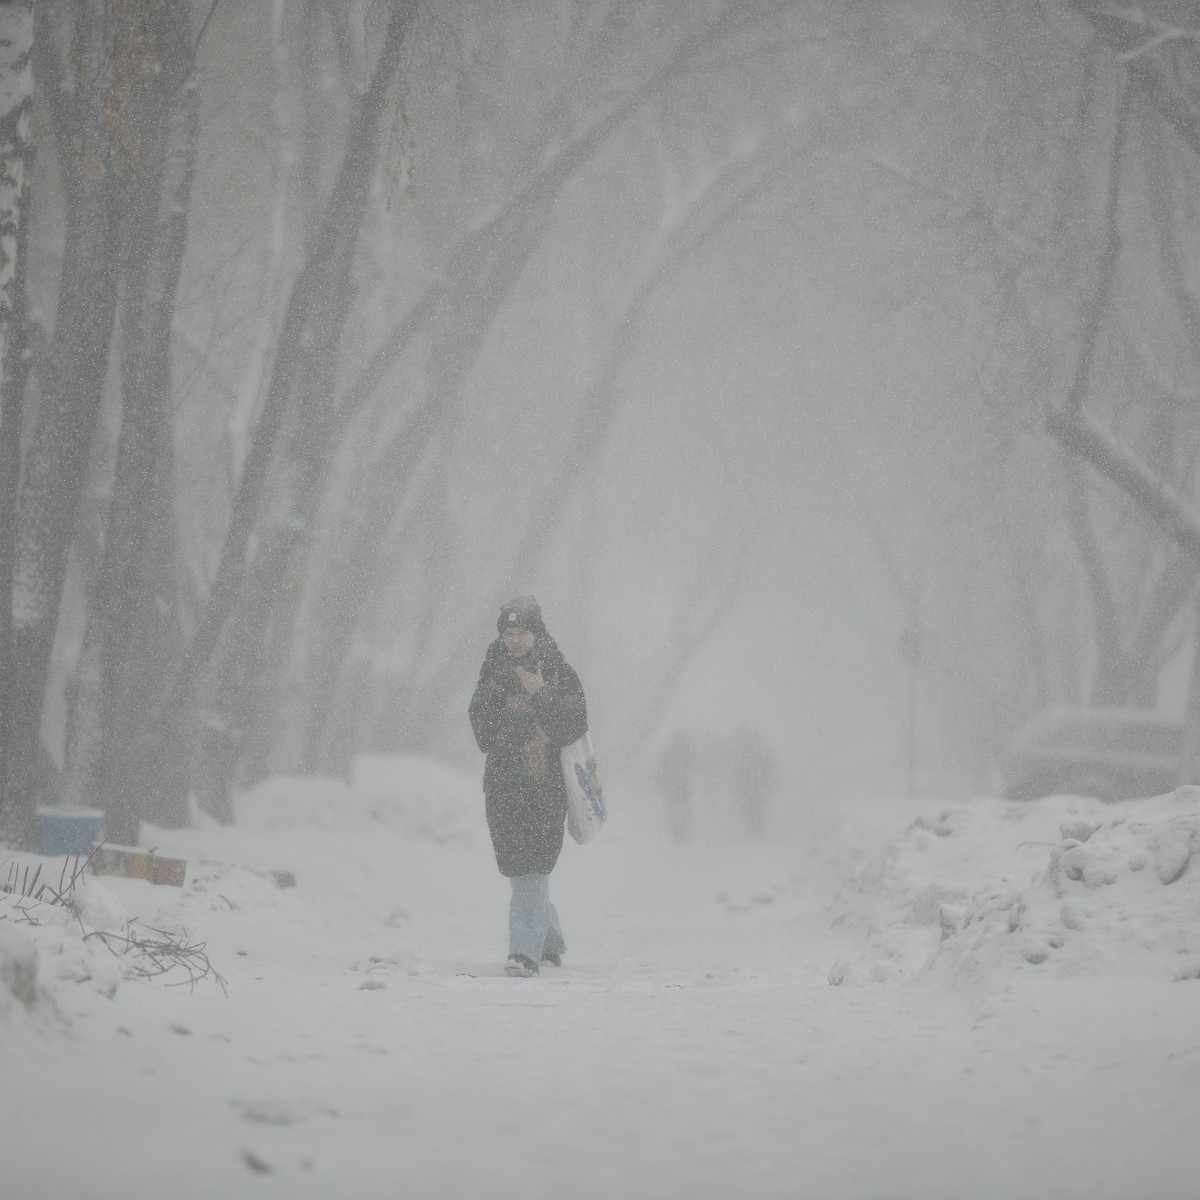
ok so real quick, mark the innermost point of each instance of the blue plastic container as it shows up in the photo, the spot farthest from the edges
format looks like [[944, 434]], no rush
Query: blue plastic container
[[62, 830]]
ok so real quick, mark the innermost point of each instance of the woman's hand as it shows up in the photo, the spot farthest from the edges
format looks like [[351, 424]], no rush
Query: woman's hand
[[530, 677]]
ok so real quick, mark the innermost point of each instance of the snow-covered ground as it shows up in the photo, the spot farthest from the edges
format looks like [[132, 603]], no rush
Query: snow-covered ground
[[884, 999]]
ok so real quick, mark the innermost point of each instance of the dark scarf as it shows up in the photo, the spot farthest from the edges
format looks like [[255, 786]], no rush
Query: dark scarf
[[498, 664]]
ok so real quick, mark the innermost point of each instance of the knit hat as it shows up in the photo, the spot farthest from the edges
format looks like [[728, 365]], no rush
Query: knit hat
[[522, 612]]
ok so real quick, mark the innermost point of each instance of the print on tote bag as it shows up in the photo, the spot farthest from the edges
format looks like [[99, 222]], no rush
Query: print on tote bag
[[585, 793]]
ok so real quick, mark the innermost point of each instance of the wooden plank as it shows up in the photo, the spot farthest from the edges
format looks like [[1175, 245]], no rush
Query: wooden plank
[[132, 863]]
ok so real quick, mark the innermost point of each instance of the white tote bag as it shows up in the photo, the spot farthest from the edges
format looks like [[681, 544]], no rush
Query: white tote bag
[[585, 793]]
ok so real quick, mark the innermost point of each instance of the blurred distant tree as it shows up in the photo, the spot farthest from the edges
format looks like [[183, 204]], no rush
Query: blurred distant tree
[[413, 317], [132, 633], [474, 283], [1140, 587], [1065, 197], [275, 505]]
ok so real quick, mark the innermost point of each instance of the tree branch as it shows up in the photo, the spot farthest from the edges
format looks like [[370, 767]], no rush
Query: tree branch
[[1098, 303], [1076, 432]]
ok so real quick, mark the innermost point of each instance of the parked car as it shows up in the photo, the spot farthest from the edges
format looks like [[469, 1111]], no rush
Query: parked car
[[1110, 753]]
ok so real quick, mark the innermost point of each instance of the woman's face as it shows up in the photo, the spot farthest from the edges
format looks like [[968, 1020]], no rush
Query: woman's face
[[517, 641]]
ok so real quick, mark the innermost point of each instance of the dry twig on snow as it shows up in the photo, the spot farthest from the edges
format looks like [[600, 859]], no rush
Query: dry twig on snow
[[153, 957]]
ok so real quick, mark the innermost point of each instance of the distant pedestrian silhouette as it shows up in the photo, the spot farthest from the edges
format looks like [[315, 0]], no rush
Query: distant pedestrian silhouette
[[753, 776], [675, 778]]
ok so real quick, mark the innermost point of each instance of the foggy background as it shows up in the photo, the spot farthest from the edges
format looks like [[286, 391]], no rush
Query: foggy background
[[727, 329]]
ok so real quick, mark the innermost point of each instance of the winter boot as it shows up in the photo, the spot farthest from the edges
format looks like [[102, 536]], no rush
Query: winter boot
[[521, 966]]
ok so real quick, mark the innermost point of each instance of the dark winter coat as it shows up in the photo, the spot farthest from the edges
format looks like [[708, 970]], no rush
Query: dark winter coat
[[524, 793]]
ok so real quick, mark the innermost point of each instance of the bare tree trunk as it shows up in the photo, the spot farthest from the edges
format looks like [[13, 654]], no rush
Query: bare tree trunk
[[1189, 759], [465, 313], [495, 254], [297, 352], [1079, 434], [1107, 631], [302, 389], [462, 329], [347, 580], [1123, 29], [292, 187], [16, 152], [132, 625], [59, 449], [1106, 626], [16, 102], [730, 191]]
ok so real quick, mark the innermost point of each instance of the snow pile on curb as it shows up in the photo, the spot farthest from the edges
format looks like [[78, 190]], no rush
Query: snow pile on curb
[[45, 946], [984, 888], [18, 971], [221, 887], [344, 844], [1119, 897], [893, 890]]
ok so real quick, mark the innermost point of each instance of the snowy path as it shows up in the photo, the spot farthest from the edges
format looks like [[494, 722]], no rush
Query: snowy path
[[691, 1046]]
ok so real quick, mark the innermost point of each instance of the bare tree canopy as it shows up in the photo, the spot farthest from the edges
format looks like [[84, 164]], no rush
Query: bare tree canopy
[[756, 333]]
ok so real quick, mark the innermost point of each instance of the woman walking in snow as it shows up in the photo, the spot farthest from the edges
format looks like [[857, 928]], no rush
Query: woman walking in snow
[[527, 705]]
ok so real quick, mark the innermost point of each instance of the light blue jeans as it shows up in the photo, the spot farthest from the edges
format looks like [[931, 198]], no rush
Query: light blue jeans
[[533, 928]]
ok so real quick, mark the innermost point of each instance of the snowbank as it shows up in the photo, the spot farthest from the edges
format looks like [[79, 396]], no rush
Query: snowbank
[[362, 1030], [1117, 898], [334, 837], [1066, 886], [45, 945], [980, 891]]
